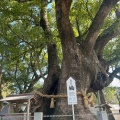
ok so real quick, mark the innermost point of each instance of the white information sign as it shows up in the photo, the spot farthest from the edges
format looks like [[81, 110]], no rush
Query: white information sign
[[71, 91]]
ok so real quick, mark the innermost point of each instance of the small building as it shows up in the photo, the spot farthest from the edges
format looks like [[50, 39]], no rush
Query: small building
[[17, 106]]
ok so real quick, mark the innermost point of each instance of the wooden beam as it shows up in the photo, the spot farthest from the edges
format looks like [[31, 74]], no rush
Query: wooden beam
[[28, 109]]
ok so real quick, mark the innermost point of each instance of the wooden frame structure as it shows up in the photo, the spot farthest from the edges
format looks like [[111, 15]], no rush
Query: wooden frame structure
[[21, 98]]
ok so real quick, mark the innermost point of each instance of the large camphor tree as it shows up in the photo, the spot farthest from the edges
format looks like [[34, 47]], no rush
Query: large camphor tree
[[83, 29], [82, 55]]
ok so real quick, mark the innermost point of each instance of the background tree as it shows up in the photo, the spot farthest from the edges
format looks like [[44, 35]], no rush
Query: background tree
[[110, 93]]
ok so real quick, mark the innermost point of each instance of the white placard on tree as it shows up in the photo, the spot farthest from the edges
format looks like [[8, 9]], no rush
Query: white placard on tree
[[71, 91]]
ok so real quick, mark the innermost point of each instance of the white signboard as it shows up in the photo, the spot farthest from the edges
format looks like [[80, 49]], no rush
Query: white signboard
[[71, 91]]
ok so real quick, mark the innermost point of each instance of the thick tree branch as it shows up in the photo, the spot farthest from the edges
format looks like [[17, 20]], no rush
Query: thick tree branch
[[38, 64], [114, 73], [98, 21], [52, 79], [53, 63], [111, 32], [104, 83], [44, 20], [116, 76], [53, 69], [62, 16]]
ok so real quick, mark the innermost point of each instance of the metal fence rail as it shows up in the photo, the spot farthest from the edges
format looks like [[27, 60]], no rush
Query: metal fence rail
[[40, 116], [16, 117], [116, 116], [64, 115], [69, 116]]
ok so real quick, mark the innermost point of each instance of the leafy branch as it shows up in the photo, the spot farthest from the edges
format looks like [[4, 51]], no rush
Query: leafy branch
[[109, 33], [97, 23]]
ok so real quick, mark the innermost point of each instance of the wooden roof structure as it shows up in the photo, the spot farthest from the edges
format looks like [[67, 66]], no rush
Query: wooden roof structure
[[21, 98], [18, 98]]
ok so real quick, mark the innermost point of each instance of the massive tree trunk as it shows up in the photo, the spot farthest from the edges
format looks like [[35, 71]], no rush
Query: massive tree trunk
[[81, 62], [75, 64]]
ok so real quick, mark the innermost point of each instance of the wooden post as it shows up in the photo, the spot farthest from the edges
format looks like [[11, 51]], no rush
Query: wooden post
[[28, 109], [99, 102]]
